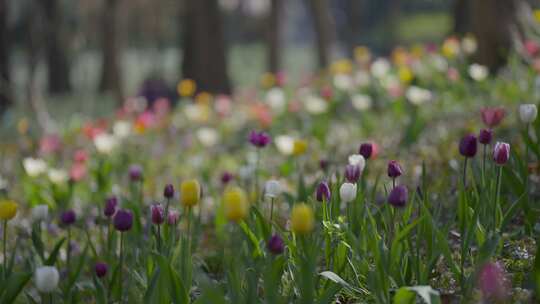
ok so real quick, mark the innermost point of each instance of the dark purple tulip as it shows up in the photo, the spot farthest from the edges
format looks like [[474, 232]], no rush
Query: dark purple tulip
[[158, 214], [135, 173], [398, 196], [226, 177], [68, 217], [323, 164], [101, 269], [366, 150], [275, 244], [168, 191], [501, 153], [110, 206], [323, 192], [352, 173], [259, 139], [394, 169], [485, 136], [123, 220], [468, 146]]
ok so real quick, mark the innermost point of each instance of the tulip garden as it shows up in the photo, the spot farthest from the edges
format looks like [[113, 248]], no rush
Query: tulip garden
[[408, 179]]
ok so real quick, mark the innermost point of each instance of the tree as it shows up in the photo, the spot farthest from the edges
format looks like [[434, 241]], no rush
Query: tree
[[204, 58], [57, 61], [274, 30], [111, 78], [324, 30], [5, 99], [461, 11]]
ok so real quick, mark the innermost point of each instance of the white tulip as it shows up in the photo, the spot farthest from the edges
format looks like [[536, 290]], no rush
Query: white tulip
[[122, 129], [380, 67], [315, 104], [207, 136], [46, 278], [528, 112], [40, 213], [478, 72], [417, 95], [272, 188], [361, 102], [105, 143], [343, 82], [347, 192], [284, 144], [357, 160], [58, 176], [34, 166], [275, 98]]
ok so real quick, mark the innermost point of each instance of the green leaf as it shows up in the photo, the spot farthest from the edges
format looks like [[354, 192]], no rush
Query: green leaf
[[253, 238], [74, 275], [404, 296], [38, 244], [337, 279], [13, 287], [54, 253], [427, 293]]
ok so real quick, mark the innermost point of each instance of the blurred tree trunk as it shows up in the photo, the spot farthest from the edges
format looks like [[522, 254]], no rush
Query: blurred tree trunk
[[497, 27], [324, 30], [111, 79], [57, 61], [462, 20], [274, 37], [354, 24], [5, 91], [204, 46]]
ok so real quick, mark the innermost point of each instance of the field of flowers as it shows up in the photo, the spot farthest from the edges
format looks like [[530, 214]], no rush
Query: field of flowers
[[408, 179]]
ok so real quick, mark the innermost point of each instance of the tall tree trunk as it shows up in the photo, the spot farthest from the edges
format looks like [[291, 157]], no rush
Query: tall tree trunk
[[354, 23], [496, 26], [57, 61], [274, 36], [111, 79], [5, 91], [462, 20], [324, 30], [204, 47]]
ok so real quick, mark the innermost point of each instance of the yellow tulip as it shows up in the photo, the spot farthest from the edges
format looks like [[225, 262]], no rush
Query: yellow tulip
[[190, 192], [405, 75], [186, 88], [300, 147], [203, 98], [8, 210], [268, 80], [302, 219], [537, 15], [235, 204]]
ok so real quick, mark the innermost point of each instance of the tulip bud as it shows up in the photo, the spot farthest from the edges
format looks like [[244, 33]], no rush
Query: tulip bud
[[468, 146], [485, 136], [493, 283], [302, 219], [352, 173], [501, 153], [275, 245], [528, 112], [394, 169], [323, 192], [46, 279], [168, 191], [357, 160], [259, 139], [135, 173], [235, 204], [347, 192], [173, 217], [398, 196], [68, 217], [366, 149], [226, 177], [190, 192], [101, 269], [272, 188], [8, 210], [110, 206], [323, 164], [40, 213], [123, 220], [158, 214]]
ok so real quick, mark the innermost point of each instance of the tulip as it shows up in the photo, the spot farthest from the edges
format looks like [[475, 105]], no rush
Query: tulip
[[501, 153], [352, 173], [110, 206], [101, 269], [299, 147], [40, 213], [105, 143], [226, 177], [168, 191], [366, 150], [158, 214], [123, 220], [235, 204], [190, 193], [323, 164], [272, 188], [8, 210], [68, 217], [357, 160], [323, 192], [398, 196], [34, 166], [528, 113], [347, 192], [275, 244], [492, 117], [468, 146], [485, 136], [394, 171], [492, 282], [135, 173], [46, 279], [259, 139], [302, 219], [173, 217]]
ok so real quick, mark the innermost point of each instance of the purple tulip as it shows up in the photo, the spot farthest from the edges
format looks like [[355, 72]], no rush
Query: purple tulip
[[366, 150], [352, 173], [323, 164], [493, 283], [259, 139], [468, 146], [394, 169], [275, 244], [68, 217], [501, 153], [101, 269], [173, 217], [123, 220], [158, 214], [485, 136], [323, 192], [226, 177], [398, 196], [135, 173], [168, 191], [110, 206]]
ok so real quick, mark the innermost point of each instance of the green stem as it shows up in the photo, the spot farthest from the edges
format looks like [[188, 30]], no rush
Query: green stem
[[68, 247], [189, 230], [271, 209], [159, 238], [4, 240], [497, 196], [257, 177], [121, 264], [465, 173], [484, 166]]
